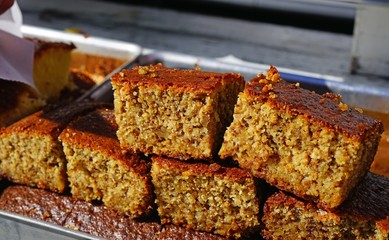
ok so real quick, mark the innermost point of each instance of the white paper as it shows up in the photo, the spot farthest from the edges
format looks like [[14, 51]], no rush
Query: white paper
[[16, 53]]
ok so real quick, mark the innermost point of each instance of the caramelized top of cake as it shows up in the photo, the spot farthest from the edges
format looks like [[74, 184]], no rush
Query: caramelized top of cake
[[36, 203], [369, 200], [10, 91], [41, 45], [190, 80], [97, 131], [326, 110], [201, 168], [51, 120]]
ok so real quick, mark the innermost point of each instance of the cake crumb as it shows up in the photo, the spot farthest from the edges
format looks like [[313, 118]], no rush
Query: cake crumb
[[360, 110], [343, 107]]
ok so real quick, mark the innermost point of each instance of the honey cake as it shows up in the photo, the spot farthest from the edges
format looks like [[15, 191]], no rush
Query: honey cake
[[204, 197], [312, 145], [364, 215], [36, 203], [99, 220], [51, 67], [173, 112], [98, 169], [17, 101], [31, 153]]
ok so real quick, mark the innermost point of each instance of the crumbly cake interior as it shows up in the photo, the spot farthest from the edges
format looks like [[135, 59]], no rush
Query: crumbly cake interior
[[205, 202], [33, 159], [294, 152], [171, 121], [96, 176], [288, 218], [51, 72]]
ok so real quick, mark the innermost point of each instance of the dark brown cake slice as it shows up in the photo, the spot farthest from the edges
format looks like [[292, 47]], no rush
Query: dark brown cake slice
[[98, 220], [364, 215], [36, 203]]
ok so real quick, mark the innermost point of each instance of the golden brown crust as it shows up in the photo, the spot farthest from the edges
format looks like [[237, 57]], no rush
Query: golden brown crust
[[41, 46], [325, 110], [190, 80], [51, 121], [97, 131], [202, 169]]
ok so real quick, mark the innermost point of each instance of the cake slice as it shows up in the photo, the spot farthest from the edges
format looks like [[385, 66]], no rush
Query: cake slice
[[51, 67], [99, 220], [312, 145], [364, 215], [98, 169], [205, 197], [51, 77], [31, 153], [36, 203], [173, 112]]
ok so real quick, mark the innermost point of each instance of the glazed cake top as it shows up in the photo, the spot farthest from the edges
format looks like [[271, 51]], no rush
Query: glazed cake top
[[189, 80], [97, 131], [326, 110]]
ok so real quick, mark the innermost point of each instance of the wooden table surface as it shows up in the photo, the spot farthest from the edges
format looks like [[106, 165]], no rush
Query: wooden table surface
[[196, 34]]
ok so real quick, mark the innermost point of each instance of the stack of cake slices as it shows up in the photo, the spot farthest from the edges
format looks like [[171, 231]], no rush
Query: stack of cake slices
[[317, 151], [178, 118], [195, 148]]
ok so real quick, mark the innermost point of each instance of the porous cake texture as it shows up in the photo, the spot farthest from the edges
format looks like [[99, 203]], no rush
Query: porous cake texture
[[51, 67], [31, 152], [98, 169], [205, 197], [173, 112], [312, 145], [364, 215]]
